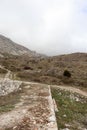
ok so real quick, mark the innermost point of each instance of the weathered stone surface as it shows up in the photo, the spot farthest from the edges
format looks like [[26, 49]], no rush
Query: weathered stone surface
[[35, 110]]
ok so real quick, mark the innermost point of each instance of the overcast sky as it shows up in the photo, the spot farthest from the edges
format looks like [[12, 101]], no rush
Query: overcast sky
[[48, 26]]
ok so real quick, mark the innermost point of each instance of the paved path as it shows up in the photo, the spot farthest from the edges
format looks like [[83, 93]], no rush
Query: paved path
[[35, 111]]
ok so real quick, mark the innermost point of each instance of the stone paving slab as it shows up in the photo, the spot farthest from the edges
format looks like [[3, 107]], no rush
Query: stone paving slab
[[36, 110]]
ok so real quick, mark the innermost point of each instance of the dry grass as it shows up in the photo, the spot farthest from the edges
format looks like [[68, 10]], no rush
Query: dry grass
[[7, 103], [2, 71], [50, 70]]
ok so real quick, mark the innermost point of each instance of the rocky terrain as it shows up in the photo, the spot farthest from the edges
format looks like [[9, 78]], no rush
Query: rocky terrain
[[39, 68], [29, 106], [29, 81], [72, 108], [50, 70], [8, 47], [25, 105]]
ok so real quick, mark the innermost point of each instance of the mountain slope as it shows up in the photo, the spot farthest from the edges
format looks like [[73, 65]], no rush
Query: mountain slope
[[9, 47], [51, 70]]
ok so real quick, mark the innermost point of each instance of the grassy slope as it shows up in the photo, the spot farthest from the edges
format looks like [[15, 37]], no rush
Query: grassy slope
[[72, 109]]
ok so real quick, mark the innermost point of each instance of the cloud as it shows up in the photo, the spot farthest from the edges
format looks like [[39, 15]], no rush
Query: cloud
[[47, 26]]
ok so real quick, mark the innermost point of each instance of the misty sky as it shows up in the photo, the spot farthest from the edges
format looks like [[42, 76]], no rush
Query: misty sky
[[48, 26]]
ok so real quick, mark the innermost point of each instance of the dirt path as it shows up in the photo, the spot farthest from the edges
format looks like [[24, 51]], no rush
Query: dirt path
[[72, 89]]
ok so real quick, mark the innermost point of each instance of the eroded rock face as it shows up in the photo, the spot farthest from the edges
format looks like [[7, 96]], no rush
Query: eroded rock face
[[9, 86], [7, 46]]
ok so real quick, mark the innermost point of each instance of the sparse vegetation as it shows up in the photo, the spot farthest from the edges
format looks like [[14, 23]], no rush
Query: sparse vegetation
[[28, 68], [55, 74], [6, 108], [7, 103], [67, 74], [51, 70], [72, 109], [3, 71]]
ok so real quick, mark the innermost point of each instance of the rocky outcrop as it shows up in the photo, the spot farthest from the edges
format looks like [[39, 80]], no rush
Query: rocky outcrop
[[7, 85], [7, 46]]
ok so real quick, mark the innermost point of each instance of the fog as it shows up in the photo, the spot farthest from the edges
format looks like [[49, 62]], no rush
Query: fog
[[51, 27]]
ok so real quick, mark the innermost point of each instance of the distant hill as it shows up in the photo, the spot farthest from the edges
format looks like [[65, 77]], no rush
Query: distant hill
[[72, 57], [7, 46]]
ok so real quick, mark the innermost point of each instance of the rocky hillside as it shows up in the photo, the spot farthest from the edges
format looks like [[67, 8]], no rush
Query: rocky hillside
[[49, 70], [52, 70], [7, 46]]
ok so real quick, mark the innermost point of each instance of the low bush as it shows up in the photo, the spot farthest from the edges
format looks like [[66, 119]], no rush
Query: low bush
[[67, 74]]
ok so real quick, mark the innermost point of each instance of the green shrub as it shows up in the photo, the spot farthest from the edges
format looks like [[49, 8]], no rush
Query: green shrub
[[67, 74]]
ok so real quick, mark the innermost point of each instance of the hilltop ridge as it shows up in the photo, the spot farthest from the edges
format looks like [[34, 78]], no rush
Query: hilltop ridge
[[7, 46]]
